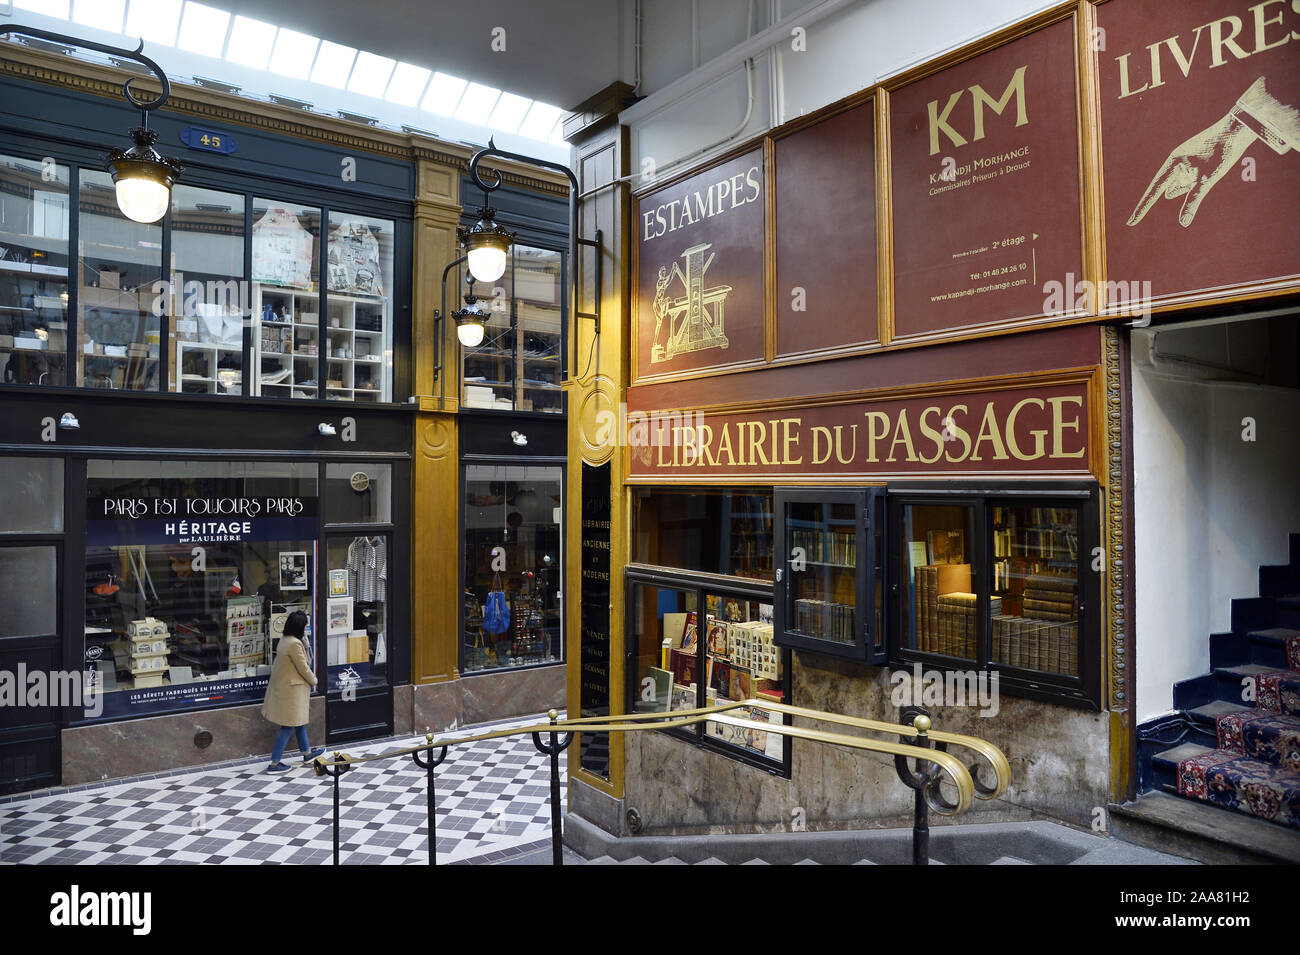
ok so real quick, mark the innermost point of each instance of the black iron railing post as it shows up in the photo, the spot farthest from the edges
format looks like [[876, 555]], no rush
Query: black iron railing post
[[553, 749], [430, 803], [918, 781], [335, 772]]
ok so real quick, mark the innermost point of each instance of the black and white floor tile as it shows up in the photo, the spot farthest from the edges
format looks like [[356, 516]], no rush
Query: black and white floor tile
[[492, 804]]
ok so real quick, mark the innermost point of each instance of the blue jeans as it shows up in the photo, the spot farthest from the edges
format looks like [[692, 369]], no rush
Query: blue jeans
[[282, 739]]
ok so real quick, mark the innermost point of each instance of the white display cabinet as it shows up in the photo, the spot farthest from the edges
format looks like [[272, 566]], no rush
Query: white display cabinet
[[354, 362]]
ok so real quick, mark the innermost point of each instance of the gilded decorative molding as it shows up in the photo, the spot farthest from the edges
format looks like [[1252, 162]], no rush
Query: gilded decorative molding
[[1116, 615], [435, 438]]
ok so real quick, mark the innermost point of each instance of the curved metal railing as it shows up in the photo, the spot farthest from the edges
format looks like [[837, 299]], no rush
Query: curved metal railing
[[933, 764]]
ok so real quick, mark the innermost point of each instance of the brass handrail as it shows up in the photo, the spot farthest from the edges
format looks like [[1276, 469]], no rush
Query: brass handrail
[[967, 783]]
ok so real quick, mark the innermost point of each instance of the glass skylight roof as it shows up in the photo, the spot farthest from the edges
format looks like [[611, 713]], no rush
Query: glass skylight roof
[[210, 31], [155, 21]]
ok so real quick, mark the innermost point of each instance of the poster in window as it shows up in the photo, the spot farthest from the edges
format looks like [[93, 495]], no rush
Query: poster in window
[[293, 570], [339, 615]]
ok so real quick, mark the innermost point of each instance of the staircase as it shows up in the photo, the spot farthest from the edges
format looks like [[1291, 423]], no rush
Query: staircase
[[1247, 707]]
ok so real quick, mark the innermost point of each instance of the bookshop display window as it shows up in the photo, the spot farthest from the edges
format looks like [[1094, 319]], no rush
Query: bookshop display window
[[995, 582], [33, 272], [191, 570], [118, 295], [829, 584], [511, 610], [705, 529], [517, 365], [693, 644], [209, 296]]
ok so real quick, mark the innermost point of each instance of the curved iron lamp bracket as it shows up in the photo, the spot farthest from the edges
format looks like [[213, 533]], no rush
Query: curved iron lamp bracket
[[143, 105], [574, 241]]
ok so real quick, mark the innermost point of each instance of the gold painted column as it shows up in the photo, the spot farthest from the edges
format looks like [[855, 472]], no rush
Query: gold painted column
[[435, 527], [596, 385]]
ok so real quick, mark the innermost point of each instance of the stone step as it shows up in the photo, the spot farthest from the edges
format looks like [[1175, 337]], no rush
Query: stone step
[[1206, 833]]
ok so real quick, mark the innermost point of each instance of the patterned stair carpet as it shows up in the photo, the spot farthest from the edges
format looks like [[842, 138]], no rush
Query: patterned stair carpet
[[1256, 768]]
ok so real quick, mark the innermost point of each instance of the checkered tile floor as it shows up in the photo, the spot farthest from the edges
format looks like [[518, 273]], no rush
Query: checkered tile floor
[[492, 803]]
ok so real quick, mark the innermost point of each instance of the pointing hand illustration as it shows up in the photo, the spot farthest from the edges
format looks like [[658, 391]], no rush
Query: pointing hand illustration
[[1196, 165]]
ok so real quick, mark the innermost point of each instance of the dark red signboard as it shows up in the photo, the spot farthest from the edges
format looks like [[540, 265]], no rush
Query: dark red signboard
[[1039, 430], [986, 188], [699, 298], [1200, 109], [825, 193]]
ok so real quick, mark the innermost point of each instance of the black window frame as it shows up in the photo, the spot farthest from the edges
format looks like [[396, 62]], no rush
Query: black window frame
[[1083, 691], [702, 584], [869, 644]]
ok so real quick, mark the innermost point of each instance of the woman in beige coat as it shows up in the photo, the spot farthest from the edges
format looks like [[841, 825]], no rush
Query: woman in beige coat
[[288, 695]]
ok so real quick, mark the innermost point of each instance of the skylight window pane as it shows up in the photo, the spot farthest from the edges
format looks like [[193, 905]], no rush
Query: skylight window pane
[[293, 53], [100, 14], [250, 43], [333, 64], [509, 112], [51, 8], [407, 84], [444, 94], [370, 74], [540, 121], [154, 20], [476, 105], [203, 29]]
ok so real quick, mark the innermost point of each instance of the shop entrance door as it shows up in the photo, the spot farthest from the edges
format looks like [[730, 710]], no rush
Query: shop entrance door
[[357, 623]]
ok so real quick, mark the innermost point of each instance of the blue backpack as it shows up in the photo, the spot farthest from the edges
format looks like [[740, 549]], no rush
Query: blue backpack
[[496, 612]]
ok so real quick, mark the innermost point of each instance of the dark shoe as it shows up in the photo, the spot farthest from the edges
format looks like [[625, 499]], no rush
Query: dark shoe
[[313, 754], [278, 768]]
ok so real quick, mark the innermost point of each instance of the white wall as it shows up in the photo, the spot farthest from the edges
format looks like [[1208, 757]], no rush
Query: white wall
[[1209, 509], [694, 77]]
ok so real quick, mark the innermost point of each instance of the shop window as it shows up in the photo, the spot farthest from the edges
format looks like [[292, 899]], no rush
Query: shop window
[[286, 299], [33, 496], [209, 295], [357, 611], [829, 584], [29, 580], [118, 296], [512, 554], [191, 569], [692, 644], [359, 493], [941, 601], [33, 272], [710, 530], [995, 583], [517, 366], [1034, 605], [358, 347]]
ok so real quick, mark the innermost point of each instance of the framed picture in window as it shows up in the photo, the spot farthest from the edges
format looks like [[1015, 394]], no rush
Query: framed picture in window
[[293, 570], [339, 615]]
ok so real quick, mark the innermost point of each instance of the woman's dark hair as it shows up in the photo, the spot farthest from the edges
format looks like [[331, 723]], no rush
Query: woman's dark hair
[[296, 625]]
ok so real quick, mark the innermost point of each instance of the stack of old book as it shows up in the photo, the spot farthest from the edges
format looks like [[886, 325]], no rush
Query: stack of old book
[[956, 631], [1046, 635], [934, 581]]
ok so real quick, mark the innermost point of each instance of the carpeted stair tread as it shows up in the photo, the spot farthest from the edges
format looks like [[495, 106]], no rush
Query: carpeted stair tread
[[1249, 669], [1278, 692], [1232, 781], [1263, 735]]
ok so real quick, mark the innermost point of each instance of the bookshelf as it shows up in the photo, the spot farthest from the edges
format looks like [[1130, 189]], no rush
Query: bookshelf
[[826, 572]]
